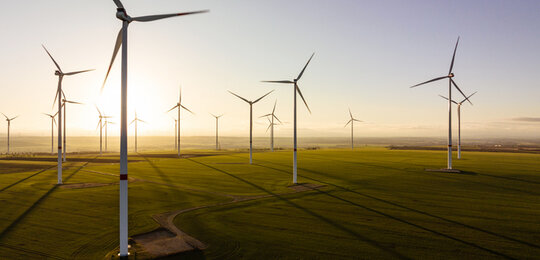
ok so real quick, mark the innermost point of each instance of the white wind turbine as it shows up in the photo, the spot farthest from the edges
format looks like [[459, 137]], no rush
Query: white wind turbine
[[53, 122], [217, 124], [296, 90], [271, 118], [179, 106], [450, 83], [106, 126], [100, 126], [121, 40], [175, 133], [459, 119], [58, 96], [8, 129], [135, 121], [64, 102], [251, 121], [352, 127]]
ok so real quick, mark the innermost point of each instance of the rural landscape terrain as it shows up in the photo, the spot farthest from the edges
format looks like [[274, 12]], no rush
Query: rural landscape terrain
[[372, 201]]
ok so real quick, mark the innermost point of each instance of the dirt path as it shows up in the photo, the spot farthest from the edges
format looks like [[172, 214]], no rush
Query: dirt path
[[170, 240]]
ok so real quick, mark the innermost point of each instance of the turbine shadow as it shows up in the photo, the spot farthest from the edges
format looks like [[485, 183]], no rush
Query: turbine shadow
[[410, 209], [314, 214], [26, 178], [38, 202]]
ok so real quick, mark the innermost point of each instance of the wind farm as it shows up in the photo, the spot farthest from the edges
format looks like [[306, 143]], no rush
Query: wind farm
[[370, 169]]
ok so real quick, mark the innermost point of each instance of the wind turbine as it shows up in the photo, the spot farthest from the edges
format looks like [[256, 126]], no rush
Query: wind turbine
[[58, 96], [251, 121], [459, 119], [352, 127], [450, 83], [8, 128], [135, 121], [175, 132], [179, 106], [64, 102], [53, 122], [217, 124], [271, 118], [296, 90], [121, 40], [100, 126]]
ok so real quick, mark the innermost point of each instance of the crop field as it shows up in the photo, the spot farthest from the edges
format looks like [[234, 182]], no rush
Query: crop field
[[368, 203]]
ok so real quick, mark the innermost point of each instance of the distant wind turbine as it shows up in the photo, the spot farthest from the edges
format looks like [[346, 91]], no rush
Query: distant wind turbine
[[459, 119], [58, 96], [296, 90], [53, 122], [352, 127], [175, 132], [100, 126], [64, 102], [135, 121], [271, 118], [121, 40], [8, 128], [107, 123], [179, 106], [450, 83], [251, 121], [217, 124]]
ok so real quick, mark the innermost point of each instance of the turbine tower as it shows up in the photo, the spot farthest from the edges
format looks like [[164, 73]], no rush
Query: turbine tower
[[217, 124], [296, 90], [121, 40], [251, 121], [459, 120], [64, 102], [450, 83], [179, 106], [175, 133], [58, 96], [135, 121], [53, 122], [106, 125], [352, 127], [271, 118], [100, 126], [8, 128]]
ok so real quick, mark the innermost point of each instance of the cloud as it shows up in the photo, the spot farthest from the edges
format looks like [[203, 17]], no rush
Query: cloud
[[527, 119]]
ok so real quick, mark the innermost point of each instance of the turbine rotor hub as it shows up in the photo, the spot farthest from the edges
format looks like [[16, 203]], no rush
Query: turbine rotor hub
[[451, 75], [122, 15], [57, 73]]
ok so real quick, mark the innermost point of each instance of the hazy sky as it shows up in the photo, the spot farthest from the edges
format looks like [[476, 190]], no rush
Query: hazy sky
[[368, 53]]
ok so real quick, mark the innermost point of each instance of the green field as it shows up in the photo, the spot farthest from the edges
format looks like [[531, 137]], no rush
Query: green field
[[375, 203]]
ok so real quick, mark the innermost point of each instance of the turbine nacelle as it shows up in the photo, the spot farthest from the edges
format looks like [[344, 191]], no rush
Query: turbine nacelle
[[122, 15], [451, 75], [58, 73]]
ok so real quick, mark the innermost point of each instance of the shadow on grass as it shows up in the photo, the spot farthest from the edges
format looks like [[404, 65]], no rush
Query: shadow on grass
[[410, 209], [37, 203], [316, 215], [24, 179], [193, 254]]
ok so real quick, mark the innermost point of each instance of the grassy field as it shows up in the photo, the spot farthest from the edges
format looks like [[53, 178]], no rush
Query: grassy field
[[376, 203]]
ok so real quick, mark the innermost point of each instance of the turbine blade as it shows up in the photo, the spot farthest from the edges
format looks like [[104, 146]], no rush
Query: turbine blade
[[98, 110], [118, 3], [277, 119], [279, 81], [115, 52], [187, 109], [133, 121], [150, 18], [357, 120], [455, 85], [13, 118], [239, 96], [274, 109], [77, 72], [74, 102], [468, 97], [350, 113], [265, 115], [55, 63], [263, 96], [268, 127], [5, 116], [173, 108], [447, 99], [140, 120], [300, 92], [302, 72], [435, 79], [348, 123], [453, 57]]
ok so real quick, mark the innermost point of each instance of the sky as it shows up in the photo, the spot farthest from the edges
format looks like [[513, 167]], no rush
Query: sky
[[367, 55]]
